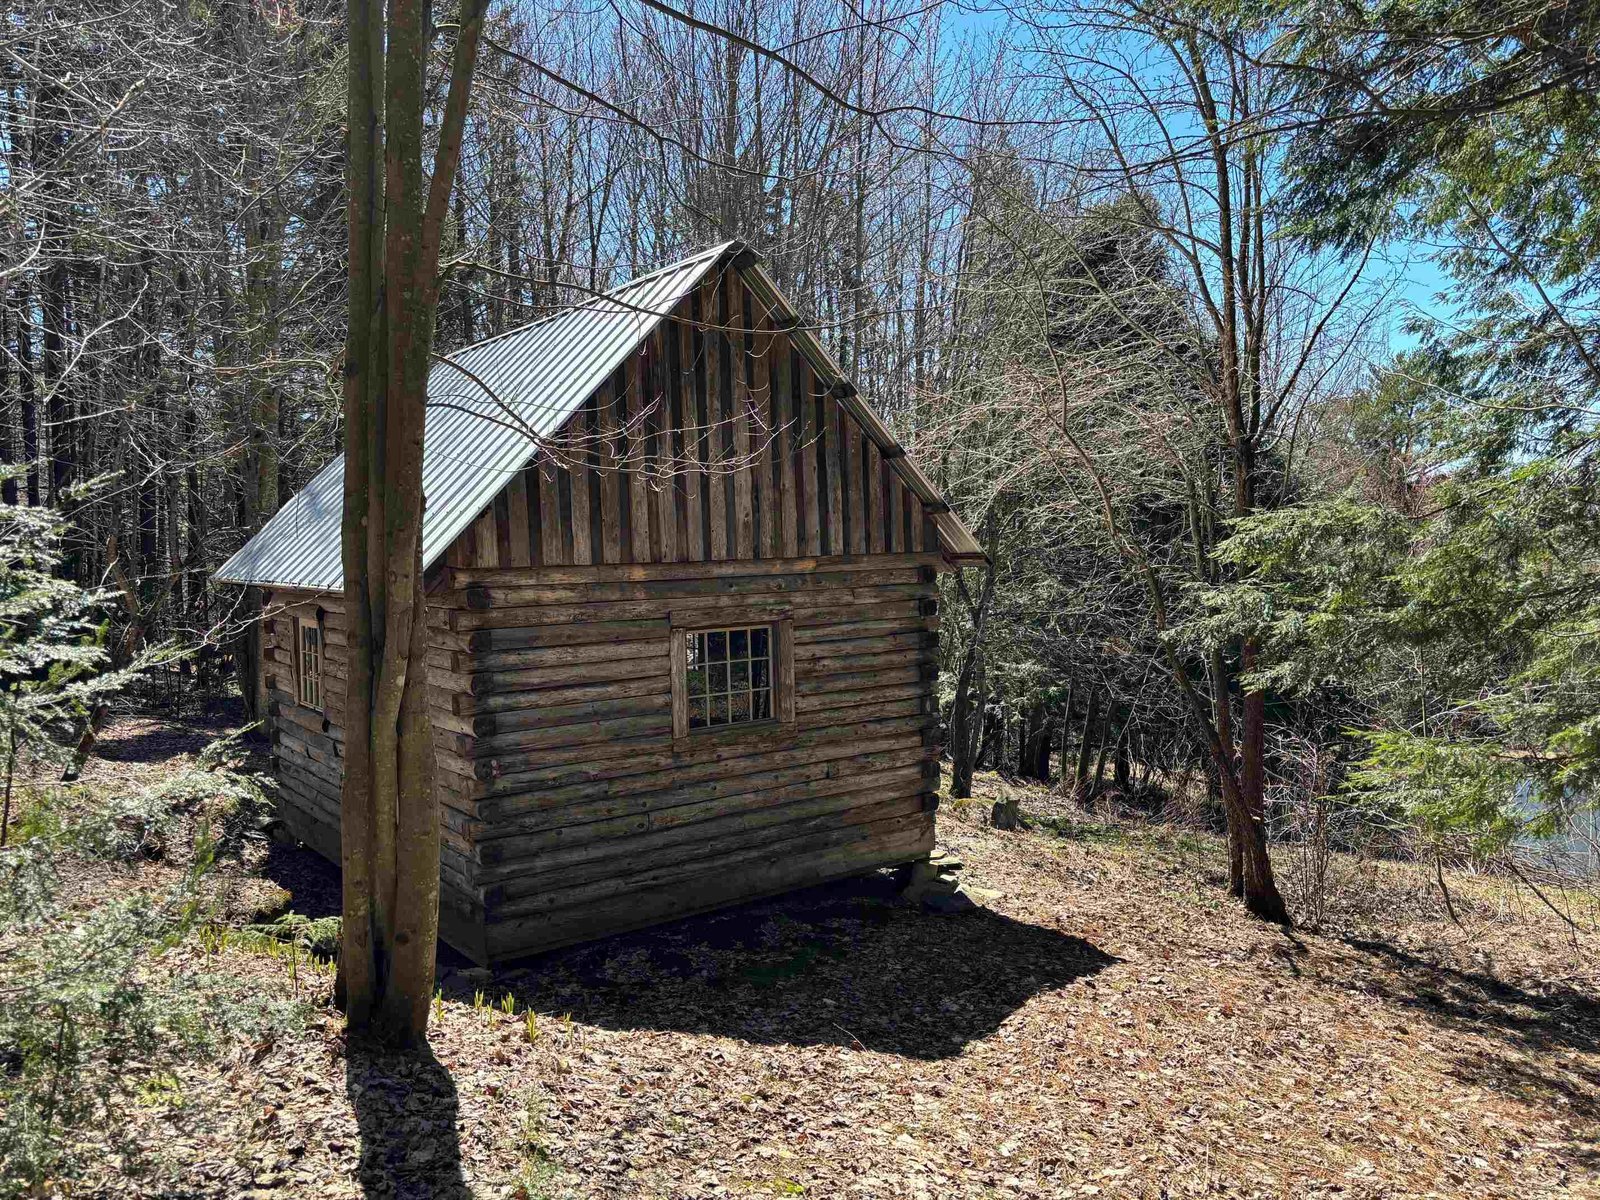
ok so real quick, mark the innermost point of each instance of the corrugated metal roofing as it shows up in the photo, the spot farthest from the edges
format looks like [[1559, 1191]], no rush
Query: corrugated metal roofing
[[537, 377], [474, 442]]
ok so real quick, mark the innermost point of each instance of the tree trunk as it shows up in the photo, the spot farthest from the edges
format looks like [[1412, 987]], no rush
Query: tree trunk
[[980, 711], [58, 411], [994, 729], [1222, 714], [389, 810], [1100, 760], [1081, 770], [1030, 731], [1066, 730], [1235, 853], [1260, 889], [27, 390], [1120, 773], [966, 716]]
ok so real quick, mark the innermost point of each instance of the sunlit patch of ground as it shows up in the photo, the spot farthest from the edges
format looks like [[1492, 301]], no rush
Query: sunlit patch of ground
[[1108, 1024]]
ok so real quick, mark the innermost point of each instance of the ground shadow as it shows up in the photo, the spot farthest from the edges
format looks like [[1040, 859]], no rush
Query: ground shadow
[[846, 964], [154, 737], [315, 888], [1541, 1023], [313, 883], [1556, 1017], [406, 1108]]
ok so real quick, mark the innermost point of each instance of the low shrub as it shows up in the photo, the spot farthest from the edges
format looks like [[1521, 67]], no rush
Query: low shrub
[[93, 1011]]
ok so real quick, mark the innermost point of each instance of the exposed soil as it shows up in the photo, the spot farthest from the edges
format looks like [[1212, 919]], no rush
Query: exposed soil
[[1106, 1024]]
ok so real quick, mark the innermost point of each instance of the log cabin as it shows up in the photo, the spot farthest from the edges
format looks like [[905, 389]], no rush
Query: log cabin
[[682, 586]]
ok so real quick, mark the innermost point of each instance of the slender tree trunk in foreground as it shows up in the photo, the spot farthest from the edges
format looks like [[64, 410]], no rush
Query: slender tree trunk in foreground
[[1248, 837], [390, 814]]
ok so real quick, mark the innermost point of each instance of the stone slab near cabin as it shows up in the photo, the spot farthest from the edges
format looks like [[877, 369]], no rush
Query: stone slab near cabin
[[715, 474]]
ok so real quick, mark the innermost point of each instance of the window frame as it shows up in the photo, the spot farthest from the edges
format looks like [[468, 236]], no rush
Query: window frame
[[313, 622], [781, 624]]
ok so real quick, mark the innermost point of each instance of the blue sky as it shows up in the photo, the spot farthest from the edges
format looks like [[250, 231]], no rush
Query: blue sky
[[1419, 285]]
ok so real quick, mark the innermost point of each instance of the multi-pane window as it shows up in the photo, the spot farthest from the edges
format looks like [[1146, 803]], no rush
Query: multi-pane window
[[728, 677], [308, 663]]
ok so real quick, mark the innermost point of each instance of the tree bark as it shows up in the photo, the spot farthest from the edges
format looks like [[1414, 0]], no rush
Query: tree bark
[[1030, 732], [1066, 731], [1120, 772], [966, 715], [27, 389], [1081, 769], [1100, 760], [390, 812]]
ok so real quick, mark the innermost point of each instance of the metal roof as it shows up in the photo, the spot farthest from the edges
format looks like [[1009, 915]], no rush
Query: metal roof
[[476, 440], [489, 403]]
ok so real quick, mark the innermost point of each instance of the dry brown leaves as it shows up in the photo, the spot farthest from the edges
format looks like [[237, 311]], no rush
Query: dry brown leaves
[[1109, 1025]]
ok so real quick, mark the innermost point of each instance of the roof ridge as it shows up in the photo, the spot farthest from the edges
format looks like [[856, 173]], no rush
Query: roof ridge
[[712, 252]]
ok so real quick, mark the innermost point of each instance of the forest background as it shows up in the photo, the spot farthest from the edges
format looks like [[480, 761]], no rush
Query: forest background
[[1257, 341]]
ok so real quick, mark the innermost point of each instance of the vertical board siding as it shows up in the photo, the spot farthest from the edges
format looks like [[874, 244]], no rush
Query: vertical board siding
[[553, 533], [787, 449], [692, 482], [517, 527], [812, 509], [714, 352], [637, 484], [606, 481], [716, 441], [580, 485], [897, 514], [743, 475], [665, 460], [876, 517]]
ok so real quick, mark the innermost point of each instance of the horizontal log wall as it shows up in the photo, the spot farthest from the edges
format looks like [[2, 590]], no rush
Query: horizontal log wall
[[308, 746], [714, 473], [583, 813], [714, 442]]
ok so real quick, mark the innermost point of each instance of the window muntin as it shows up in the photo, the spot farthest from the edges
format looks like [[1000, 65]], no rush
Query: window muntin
[[729, 675], [308, 663]]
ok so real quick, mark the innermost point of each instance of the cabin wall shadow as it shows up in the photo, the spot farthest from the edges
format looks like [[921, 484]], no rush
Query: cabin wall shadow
[[844, 964]]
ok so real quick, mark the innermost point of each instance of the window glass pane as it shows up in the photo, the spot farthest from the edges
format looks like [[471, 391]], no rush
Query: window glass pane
[[308, 664], [729, 676]]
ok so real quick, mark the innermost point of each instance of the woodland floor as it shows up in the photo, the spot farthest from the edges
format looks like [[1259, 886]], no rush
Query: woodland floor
[[1108, 1024]]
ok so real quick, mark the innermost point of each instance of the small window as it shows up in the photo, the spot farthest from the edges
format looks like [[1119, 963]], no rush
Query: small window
[[308, 662], [730, 676]]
